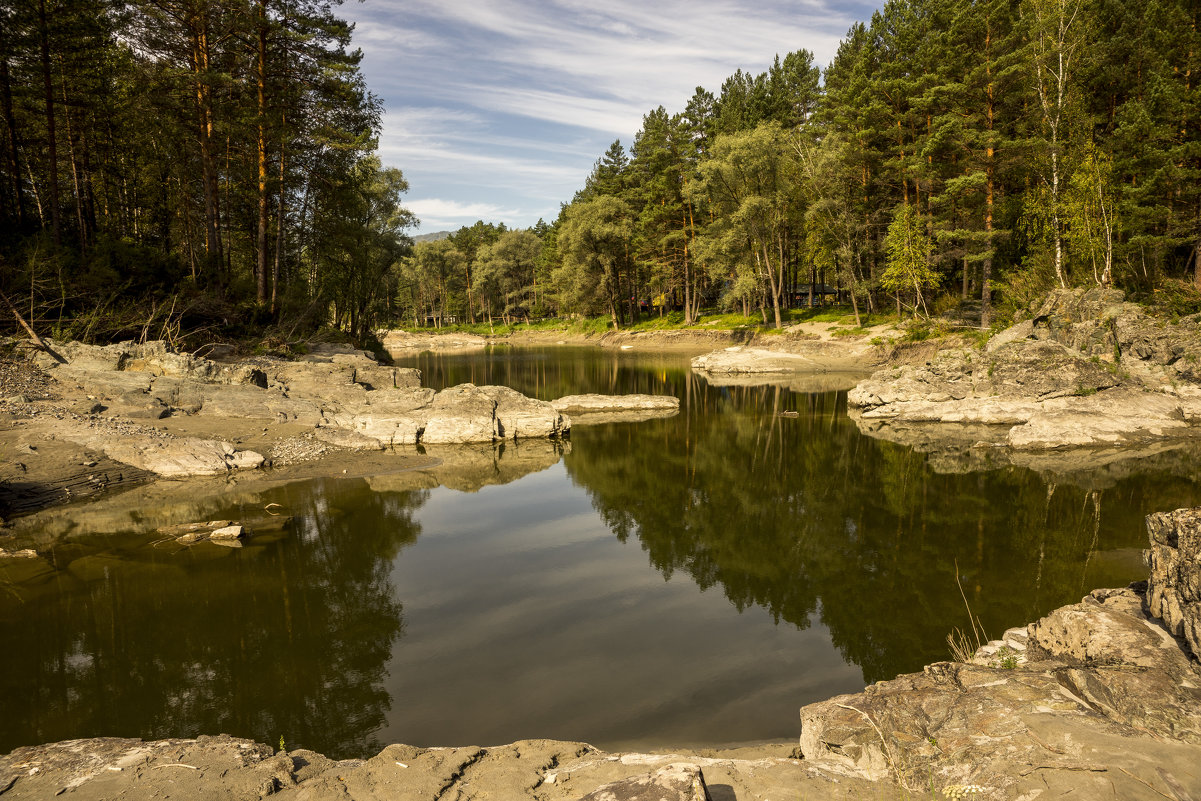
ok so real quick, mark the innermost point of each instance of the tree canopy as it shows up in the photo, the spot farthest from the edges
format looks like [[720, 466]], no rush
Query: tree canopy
[[952, 151], [202, 151]]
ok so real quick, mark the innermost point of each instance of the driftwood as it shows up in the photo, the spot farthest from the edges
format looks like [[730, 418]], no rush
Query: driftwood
[[37, 340]]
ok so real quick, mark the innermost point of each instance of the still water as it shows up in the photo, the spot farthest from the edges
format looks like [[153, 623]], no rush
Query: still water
[[683, 581]]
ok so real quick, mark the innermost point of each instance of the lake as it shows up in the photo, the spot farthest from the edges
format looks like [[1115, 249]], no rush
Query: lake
[[684, 581]]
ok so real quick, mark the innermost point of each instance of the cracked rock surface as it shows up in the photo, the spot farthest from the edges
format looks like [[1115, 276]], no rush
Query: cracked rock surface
[[1097, 699], [1086, 370]]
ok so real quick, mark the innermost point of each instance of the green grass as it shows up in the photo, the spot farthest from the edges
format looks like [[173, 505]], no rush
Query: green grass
[[672, 321]]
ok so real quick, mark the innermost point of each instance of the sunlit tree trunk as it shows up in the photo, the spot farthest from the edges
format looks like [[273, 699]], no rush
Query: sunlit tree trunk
[[260, 81], [1053, 49]]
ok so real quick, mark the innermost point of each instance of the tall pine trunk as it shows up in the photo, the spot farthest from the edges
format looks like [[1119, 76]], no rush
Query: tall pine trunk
[[51, 139], [198, 24], [260, 80]]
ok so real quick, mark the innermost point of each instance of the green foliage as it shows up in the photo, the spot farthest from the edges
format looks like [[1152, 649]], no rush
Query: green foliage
[[909, 251], [990, 149], [166, 149]]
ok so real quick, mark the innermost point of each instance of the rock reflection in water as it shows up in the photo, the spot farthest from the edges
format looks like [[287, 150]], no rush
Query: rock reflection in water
[[469, 468]]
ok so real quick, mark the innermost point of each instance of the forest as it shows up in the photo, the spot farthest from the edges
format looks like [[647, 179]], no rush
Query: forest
[[177, 165], [186, 163]]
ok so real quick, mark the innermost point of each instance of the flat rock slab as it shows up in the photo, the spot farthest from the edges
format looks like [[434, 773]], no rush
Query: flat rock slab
[[405, 343], [739, 359], [352, 402], [586, 404], [231, 769]]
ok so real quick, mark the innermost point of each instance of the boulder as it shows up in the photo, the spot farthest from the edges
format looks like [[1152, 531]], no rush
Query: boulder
[[1174, 587], [519, 417], [381, 377], [169, 458], [233, 532], [459, 414], [253, 402], [350, 440], [155, 358], [337, 353], [585, 404]]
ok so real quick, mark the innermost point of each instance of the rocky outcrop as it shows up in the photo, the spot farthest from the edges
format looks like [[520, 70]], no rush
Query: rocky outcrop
[[1174, 588], [803, 357], [349, 399], [1103, 701], [1086, 370], [403, 342]]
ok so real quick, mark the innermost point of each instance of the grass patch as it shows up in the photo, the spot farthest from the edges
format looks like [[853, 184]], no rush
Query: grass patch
[[842, 316]]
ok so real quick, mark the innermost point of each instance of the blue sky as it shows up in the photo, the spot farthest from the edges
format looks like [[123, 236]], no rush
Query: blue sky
[[497, 109]]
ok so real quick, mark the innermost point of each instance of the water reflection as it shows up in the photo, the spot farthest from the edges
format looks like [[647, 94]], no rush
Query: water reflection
[[286, 637], [804, 516], [519, 590], [807, 519]]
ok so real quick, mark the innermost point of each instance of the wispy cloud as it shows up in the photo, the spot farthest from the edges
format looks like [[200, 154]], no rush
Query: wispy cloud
[[438, 214], [507, 103]]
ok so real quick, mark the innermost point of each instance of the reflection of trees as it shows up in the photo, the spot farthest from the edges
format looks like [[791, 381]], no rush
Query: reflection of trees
[[788, 513], [286, 637], [549, 373]]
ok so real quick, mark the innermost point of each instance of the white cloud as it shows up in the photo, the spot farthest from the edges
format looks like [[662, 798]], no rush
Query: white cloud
[[506, 104], [438, 214]]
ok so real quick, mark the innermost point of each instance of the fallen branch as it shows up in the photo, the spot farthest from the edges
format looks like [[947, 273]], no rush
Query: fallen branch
[[37, 340], [1081, 766]]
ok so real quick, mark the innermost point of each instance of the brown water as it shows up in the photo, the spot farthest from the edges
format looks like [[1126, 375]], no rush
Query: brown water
[[684, 581]]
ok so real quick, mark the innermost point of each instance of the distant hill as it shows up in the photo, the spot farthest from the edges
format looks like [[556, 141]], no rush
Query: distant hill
[[434, 237]]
